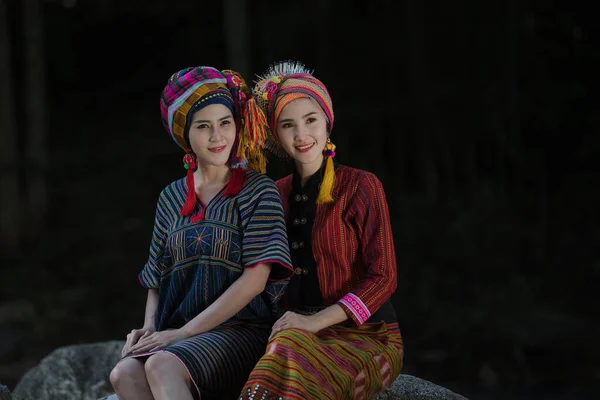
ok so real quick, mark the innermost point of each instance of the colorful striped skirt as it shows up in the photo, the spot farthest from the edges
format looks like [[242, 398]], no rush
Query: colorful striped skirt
[[339, 362], [219, 361]]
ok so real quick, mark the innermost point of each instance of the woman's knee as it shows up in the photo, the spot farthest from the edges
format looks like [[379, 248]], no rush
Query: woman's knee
[[126, 370], [164, 366]]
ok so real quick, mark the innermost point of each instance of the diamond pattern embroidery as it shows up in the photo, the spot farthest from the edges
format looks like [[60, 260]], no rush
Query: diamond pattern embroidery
[[199, 240]]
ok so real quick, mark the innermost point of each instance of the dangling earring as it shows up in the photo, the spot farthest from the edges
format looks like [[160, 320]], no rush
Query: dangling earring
[[329, 149], [189, 163]]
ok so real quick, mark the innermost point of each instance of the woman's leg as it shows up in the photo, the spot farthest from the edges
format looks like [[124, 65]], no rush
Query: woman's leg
[[339, 362], [168, 378], [128, 378], [219, 361]]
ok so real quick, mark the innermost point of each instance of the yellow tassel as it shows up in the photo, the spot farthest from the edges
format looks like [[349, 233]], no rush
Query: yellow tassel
[[326, 189], [256, 122], [256, 132], [257, 161]]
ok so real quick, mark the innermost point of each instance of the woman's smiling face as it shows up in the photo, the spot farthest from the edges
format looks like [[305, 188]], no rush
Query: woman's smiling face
[[212, 134], [302, 131]]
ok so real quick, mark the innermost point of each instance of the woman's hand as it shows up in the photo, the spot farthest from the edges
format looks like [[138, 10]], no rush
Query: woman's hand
[[291, 320], [159, 340], [134, 336]]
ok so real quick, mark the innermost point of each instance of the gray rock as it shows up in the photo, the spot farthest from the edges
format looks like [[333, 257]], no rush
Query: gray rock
[[78, 372], [6, 396], [5, 393], [111, 397], [408, 387]]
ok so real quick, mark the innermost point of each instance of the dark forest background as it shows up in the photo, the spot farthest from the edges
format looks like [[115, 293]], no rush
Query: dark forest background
[[481, 119]]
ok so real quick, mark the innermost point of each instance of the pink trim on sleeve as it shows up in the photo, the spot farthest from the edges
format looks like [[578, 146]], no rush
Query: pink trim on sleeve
[[358, 308]]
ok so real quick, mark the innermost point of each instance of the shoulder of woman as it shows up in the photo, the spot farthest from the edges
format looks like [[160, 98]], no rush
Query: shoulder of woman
[[355, 178], [174, 189], [257, 183], [284, 183], [255, 177]]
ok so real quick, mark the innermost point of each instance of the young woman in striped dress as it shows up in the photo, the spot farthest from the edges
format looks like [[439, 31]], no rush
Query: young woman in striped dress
[[339, 338], [219, 256]]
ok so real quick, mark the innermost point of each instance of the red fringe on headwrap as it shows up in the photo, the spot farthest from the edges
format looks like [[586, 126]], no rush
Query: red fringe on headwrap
[[236, 182], [256, 130], [190, 200]]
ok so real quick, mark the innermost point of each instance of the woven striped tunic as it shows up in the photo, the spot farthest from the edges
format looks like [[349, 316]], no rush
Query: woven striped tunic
[[342, 253], [192, 264]]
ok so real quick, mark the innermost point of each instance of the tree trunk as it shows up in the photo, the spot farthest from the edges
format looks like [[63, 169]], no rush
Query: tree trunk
[[393, 121], [10, 209], [263, 49], [322, 25], [235, 24], [512, 50], [35, 112], [375, 109], [425, 121]]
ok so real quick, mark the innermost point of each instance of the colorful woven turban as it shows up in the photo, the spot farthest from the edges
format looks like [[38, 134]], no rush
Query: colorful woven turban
[[282, 83], [188, 91]]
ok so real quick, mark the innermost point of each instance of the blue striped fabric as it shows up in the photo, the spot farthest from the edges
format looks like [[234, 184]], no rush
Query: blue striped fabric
[[221, 360], [192, 264]]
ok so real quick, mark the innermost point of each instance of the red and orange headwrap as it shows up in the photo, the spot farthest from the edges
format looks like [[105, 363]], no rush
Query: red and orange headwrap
[[282, 83]]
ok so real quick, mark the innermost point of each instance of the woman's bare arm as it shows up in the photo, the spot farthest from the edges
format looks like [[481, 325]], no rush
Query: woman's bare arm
[[149, 322], [237, 296]]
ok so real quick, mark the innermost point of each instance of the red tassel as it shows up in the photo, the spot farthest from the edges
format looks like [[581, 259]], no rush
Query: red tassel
[[190, 200], [236, 182]]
